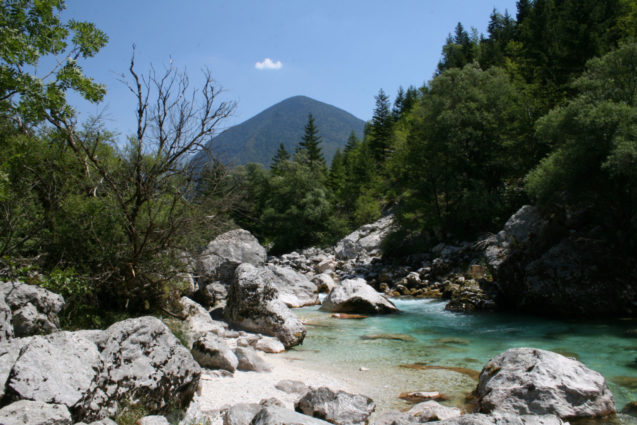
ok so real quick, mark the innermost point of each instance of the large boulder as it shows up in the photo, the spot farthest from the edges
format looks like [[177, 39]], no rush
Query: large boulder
[[273, 415], [356, 296], [198, 322], [254, 305], [212, 352], [143, 363], [295, 290], [28, 412], [58, 368], [224, 254], [339, 407], [34, 309], [365, 240], [531, 381]]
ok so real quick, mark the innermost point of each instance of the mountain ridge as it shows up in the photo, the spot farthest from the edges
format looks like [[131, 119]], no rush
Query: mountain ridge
[[257, 138]]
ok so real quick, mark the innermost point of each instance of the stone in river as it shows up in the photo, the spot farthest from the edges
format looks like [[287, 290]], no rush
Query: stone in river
[[418, 396]]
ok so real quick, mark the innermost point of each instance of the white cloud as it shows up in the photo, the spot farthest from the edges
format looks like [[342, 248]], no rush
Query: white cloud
[[268, 64]]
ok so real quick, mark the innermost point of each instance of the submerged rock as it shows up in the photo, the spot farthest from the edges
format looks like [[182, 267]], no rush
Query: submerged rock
[[356, 296], [532, 381], [390, 337], [339, 408], [254, 305]]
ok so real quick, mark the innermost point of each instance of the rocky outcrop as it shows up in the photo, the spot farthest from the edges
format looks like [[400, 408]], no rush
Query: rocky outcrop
[[519, 230], [339, 408], [143, 362], [366, 240], [272, 415], [212, 352], [295, 290], [57, 369], [531, 381], [254, 305], [33, 310], [560, 265], [356, 296], [224, 254], [28, 412]]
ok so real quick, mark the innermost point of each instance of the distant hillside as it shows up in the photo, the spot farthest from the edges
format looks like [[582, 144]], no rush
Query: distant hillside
[[257, 139]]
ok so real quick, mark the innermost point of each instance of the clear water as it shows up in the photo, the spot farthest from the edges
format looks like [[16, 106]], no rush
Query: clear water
[[429, 335]]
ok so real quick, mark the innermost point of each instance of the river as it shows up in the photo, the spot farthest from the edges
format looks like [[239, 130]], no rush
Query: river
[[425, 348]]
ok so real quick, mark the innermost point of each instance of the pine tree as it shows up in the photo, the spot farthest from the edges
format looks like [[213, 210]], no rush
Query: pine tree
[[352, 142], [381, 127], [309, 149], [281, 156]]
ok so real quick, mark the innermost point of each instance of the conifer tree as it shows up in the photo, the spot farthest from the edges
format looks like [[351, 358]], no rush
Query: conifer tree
[[279, 158], [381, 127], [309, 149]]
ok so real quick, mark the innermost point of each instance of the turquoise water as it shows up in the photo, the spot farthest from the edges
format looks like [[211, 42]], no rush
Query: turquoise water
[[427, 334]]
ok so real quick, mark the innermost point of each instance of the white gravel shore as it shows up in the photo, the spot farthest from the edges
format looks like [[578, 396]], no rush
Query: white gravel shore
[[217, 392]]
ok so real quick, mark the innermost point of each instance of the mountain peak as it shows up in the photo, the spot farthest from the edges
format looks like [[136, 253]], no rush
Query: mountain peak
[[257, 139]]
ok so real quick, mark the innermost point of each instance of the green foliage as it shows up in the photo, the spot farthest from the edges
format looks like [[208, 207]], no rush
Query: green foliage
[[29, 30], [594, 136], [461, 148]]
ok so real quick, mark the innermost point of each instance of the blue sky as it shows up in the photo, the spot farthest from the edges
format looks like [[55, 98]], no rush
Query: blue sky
[[337, 51]]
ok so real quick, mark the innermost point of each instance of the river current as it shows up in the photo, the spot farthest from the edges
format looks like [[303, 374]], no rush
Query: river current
[[425, 348]]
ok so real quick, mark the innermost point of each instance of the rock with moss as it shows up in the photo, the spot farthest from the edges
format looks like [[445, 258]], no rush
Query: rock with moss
[[143, 362]]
